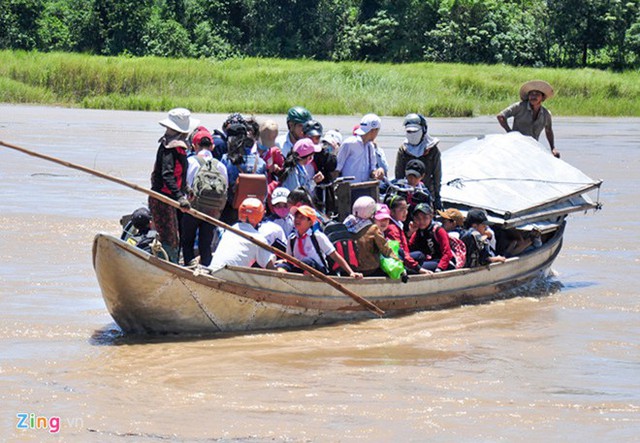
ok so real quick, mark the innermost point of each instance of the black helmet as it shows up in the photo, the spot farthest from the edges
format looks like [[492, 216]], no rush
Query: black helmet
[[312, 128], [416, 119], [298, 114]]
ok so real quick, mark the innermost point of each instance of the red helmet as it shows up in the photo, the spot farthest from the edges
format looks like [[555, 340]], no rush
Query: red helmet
[[251, 210]]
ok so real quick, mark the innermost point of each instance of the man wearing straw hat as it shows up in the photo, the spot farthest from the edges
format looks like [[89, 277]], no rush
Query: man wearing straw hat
[[169, 177], [529, 116]]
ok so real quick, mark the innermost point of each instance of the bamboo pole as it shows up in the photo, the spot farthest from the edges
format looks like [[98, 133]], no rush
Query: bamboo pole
[[197, 214]]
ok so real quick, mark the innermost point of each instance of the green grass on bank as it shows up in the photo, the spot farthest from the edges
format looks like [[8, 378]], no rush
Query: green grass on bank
[[254, 85]]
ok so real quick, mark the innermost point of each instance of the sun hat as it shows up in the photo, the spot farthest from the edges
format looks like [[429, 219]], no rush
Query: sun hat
[[305, 147], [383, 212], [179, 119], [279, 195], [307, 211], [536, 85], [452, 214], [477, 216], [415, 167], [368, 122]]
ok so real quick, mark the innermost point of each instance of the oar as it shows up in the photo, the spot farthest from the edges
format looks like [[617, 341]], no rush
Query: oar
[[197, 214]]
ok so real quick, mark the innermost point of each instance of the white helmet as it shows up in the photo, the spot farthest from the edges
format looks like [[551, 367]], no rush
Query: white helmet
[[364, 207]]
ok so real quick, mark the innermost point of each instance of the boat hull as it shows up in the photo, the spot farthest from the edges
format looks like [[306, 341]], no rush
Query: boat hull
[[147, 295]]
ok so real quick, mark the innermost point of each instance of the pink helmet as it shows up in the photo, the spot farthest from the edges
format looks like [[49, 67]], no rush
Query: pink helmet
[[364, 207]]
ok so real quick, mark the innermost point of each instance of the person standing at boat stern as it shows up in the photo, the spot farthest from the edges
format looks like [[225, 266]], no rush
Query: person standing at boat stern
[[169, 177], [529, 116], [419, 145]]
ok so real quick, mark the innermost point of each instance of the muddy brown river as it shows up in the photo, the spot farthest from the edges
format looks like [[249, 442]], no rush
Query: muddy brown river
[[562, 367]]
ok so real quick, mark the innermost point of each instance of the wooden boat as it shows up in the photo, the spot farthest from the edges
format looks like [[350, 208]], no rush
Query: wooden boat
[[145, 294]]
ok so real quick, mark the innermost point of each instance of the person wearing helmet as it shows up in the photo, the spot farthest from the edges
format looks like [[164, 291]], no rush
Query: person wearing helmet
[[236, 251], [369, 240], [529, 116], [296, 118], [418, 144]]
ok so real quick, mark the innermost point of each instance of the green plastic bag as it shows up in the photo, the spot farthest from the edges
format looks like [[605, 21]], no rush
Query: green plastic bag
[[392, 267]]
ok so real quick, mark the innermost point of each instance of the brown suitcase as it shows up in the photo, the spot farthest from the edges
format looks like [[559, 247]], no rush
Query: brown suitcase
[[250, 185]]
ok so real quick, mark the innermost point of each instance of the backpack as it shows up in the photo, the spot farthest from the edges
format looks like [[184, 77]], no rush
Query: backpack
[[459, 251], [345, 243], [209, 187], [458, 248]]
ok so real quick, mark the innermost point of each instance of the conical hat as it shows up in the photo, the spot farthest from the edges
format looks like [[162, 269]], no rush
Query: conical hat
[[536, 85]]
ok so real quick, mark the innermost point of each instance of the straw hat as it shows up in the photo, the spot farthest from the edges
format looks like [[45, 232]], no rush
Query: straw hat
[[179, 119], [536, 85]]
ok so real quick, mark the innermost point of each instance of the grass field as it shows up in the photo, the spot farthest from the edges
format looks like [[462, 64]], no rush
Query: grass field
[[254, 85]]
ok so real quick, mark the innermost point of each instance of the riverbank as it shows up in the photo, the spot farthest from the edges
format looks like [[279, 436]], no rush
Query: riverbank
[[271, 86]]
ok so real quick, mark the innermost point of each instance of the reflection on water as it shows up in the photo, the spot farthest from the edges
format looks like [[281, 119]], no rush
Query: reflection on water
[[562, 360]]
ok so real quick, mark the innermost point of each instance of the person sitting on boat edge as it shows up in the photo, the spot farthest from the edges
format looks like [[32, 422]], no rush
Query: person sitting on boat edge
[[311, 248], [169, 177], [237, 251], [429, 244], [478, 251], [529, 116], [369, 240], [398, 214]]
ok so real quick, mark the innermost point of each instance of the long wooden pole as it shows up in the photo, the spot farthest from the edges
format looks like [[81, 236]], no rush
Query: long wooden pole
[[197, 214]]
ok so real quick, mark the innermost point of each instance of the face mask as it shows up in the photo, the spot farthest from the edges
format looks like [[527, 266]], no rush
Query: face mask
[[413, 138], [261, 147], [281, 212]]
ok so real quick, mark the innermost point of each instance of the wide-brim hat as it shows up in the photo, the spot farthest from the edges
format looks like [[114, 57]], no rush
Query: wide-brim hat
[[179, 119], [536, 85]]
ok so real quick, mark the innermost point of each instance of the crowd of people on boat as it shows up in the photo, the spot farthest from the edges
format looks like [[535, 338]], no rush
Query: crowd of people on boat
[[280, 189]]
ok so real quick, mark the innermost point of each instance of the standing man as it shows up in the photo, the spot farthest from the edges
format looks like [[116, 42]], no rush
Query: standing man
[[296, 118], [529, 116], [356, 156], [169, 177]]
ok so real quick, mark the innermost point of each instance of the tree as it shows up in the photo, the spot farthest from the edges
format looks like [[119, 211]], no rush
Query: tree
[[18, 23]]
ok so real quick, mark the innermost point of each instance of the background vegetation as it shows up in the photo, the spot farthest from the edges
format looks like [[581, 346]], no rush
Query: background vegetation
[[537, 33], [261, 85]]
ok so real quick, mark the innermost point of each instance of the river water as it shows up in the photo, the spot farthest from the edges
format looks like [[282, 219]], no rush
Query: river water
[[564, 367]]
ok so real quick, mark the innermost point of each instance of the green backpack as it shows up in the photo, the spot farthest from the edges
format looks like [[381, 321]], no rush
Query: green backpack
[[209, 187]]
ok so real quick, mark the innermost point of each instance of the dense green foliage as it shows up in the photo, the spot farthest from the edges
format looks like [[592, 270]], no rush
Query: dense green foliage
[[265, 86], [566, 33]]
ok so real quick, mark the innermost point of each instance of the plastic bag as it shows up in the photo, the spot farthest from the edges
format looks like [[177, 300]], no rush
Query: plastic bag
[[392, 267]]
